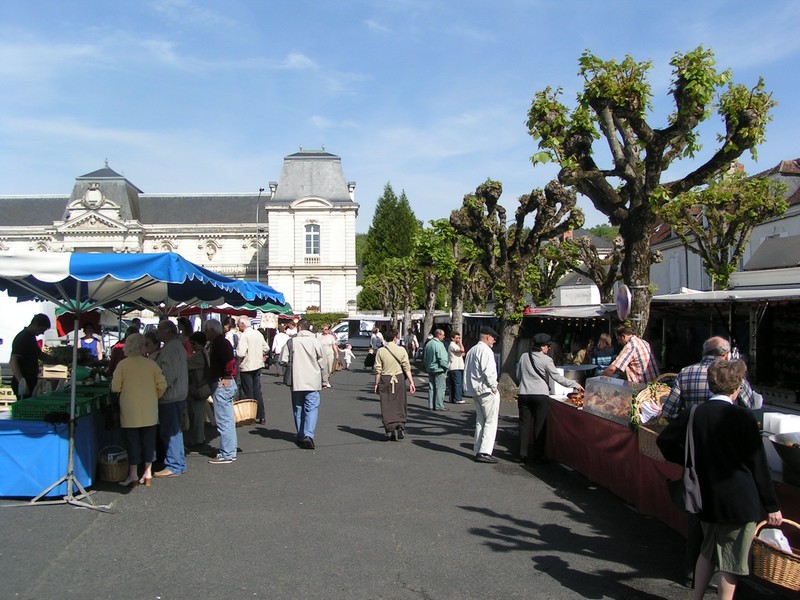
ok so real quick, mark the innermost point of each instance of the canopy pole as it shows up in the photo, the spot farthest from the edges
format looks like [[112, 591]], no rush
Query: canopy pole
[[82, 499]]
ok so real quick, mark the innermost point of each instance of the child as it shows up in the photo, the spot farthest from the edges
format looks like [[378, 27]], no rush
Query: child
[[346, 356]]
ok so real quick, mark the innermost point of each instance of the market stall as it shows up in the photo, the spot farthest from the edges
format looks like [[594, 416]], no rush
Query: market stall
[[80, 282], [608, 453]]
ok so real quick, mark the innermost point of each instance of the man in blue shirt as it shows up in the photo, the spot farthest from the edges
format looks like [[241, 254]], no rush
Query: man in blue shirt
[[436, 362]]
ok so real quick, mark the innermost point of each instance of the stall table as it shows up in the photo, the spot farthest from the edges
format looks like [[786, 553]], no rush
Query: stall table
[[607, 453], [34, 455]]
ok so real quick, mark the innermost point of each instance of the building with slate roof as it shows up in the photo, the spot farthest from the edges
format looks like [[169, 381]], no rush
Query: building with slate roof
[[297, 235], [682, 268]]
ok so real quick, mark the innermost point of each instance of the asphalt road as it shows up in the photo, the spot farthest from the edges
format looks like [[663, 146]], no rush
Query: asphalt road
[[357, 518]]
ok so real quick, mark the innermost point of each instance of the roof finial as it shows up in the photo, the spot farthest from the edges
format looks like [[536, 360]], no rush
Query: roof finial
[[106, 163], [301, 148]]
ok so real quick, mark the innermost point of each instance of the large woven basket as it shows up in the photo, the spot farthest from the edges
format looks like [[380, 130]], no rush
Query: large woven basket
[[647, 441], [115, 469], [775, 566], [657, 391], [245, 412]]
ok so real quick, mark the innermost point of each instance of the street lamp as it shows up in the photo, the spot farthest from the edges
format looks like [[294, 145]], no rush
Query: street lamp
[[258, 233]]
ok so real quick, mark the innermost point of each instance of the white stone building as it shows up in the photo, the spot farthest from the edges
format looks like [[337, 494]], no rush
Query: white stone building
[[297, 234], [682, 268]]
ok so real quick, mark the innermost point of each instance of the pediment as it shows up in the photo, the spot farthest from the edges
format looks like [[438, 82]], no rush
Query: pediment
[[311, 202], [91, 222]]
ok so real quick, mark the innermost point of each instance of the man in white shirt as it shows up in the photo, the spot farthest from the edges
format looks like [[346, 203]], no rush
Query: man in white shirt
[[251, 350], [480, 382]]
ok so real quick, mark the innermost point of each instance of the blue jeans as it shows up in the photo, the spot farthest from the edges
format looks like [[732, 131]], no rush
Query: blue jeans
[[169, 429], [456, 379], [251, 388], [306, 407], [226, 421], [436, 385]]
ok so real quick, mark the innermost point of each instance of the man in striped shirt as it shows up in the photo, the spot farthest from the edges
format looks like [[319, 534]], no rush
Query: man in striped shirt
[[635, 360]]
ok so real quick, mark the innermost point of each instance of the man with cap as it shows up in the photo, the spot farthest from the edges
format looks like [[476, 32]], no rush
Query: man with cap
[[480, 382], [534, 372]]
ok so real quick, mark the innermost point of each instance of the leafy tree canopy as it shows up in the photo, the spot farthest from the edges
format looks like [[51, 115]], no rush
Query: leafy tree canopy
[[614, 107], [715, 221]]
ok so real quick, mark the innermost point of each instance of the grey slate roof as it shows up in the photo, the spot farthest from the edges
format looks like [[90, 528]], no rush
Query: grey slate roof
[[312, 173], [305, 173], [162, 209], [27, 211], [776, 253]]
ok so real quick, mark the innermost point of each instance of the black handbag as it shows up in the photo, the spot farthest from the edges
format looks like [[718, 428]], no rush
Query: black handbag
[[685, 492]]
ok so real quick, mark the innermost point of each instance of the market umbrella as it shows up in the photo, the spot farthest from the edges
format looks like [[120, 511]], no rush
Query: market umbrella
[[79, 282]]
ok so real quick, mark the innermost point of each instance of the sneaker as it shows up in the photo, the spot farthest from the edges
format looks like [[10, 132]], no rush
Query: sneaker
[[400, 433], [485, 458], [460, 402], [221, 460]]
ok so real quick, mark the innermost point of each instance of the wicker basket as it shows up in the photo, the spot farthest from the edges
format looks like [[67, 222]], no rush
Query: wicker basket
[[112, 464], [245, 412], [647, 441], [775, 566], [657, 390]]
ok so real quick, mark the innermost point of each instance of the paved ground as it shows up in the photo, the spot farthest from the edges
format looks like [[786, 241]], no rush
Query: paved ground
[[358, 518]]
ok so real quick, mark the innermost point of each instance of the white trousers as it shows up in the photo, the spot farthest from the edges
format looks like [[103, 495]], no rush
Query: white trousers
[[487, 409]]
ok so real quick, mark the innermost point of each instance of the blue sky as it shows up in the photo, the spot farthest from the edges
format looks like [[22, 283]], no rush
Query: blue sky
[[431, 96]]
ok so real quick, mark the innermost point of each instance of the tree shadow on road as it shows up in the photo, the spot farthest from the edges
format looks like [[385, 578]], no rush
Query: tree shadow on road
[[642, 547], [434, 447], [367, 434]]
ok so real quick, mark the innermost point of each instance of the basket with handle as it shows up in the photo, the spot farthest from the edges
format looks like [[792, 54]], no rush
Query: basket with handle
[[774, 565], [245, 411], [655, 392], [112, 464]]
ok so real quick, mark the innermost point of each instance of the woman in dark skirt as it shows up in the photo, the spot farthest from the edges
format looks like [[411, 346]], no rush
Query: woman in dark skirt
[[392, 369]]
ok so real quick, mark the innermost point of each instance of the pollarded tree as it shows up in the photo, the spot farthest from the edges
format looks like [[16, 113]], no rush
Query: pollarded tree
[[509, 253], [614, 105], [715, 222], [580, 255]]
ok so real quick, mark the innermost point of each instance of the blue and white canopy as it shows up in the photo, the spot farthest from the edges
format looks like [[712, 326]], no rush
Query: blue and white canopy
[[83, 281]]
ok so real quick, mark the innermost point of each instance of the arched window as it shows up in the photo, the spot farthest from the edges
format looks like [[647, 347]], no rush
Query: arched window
[[312, 240]]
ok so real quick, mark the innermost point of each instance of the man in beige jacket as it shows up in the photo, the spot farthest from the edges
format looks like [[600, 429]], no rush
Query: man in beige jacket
[[251, 351], [304, 358]]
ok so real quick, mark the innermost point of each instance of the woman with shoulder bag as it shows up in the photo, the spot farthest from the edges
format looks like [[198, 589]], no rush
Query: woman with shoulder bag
[[391, 371], [534, 371]]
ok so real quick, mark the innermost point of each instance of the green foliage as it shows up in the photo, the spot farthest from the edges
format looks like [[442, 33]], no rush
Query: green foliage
[[392, 234], [607, 232], [317, 320], [626, 185], [715, 222]]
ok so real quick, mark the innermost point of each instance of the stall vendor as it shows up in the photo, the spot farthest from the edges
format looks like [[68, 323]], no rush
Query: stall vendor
[[25, 353], [635, 361]]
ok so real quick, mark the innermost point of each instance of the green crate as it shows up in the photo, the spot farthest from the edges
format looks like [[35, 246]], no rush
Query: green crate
[[35, 409]]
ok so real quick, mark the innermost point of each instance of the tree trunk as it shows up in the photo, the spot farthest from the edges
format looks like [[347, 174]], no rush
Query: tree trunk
[[636, 270], [508, 362], [457, 304], [406, 318], [430, 305]]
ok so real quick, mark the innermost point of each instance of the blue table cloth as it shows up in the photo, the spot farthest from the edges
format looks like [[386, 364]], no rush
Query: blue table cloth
[[33, 456]]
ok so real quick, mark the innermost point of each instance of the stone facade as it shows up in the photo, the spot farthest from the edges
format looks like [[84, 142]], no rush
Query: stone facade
[[303, 227]]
